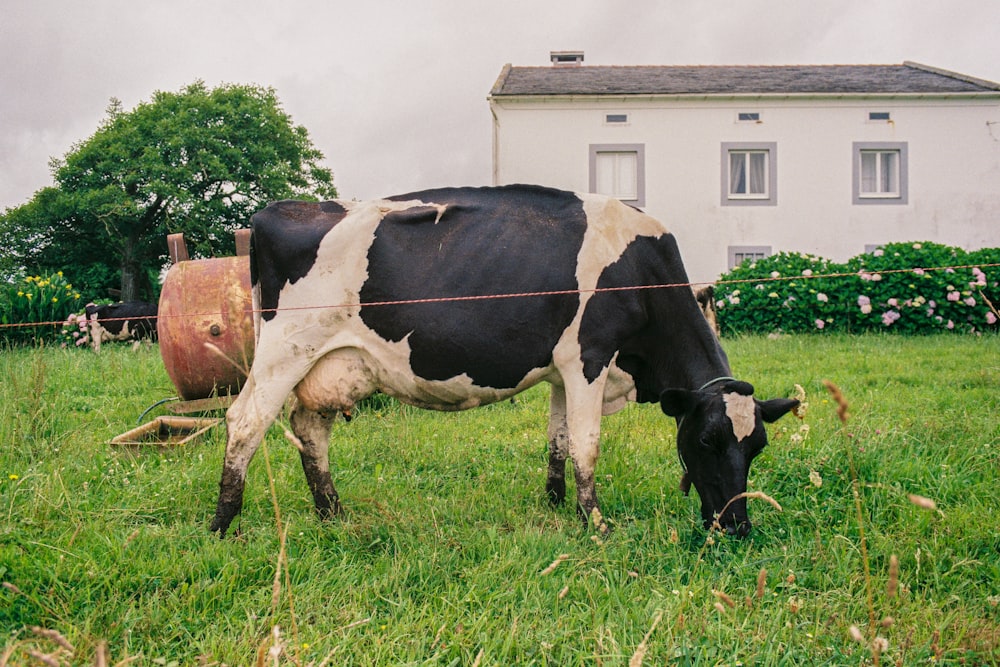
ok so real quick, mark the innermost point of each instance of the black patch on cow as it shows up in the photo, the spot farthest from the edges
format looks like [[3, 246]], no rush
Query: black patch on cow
[[655, 330], [283, 246], [488, 241]]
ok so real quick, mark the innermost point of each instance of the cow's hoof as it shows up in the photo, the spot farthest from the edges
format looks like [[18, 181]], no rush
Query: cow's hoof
[[556, 491]]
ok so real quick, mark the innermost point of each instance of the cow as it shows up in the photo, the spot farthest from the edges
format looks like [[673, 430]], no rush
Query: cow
[[129, 320], [453, 298]]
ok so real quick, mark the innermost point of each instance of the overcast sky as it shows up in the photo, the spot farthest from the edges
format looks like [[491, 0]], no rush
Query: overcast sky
[[394, 93]]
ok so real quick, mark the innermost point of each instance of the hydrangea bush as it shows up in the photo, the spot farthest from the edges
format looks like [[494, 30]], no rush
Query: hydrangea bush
[[904, 287], [45, 301]]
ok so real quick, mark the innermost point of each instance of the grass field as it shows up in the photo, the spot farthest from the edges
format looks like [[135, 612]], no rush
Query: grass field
[[449, 554]]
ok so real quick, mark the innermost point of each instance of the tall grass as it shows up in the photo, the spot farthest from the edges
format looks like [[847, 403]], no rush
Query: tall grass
[[449, 553]]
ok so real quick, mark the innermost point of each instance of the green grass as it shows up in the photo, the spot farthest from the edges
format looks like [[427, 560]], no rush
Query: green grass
[[439, 559]]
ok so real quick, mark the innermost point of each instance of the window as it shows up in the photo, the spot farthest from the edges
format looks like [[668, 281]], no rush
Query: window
[[748, 116], [749, 174], [880, 173], [740, 253], [619, 170], [616, 118], [876, 116]]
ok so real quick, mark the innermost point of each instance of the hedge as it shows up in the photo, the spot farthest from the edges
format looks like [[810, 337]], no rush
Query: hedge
[[914, 288]]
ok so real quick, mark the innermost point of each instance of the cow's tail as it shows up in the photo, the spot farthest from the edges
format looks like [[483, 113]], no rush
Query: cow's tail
[[255, 301]]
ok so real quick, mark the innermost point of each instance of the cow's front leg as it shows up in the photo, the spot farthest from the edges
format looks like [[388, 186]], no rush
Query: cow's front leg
[[313, 431], [583, 420], [555, 485]]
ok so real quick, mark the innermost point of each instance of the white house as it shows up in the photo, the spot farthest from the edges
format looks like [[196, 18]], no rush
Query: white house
[[746, 161]]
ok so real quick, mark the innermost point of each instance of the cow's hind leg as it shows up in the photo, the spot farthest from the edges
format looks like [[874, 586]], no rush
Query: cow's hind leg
[[555, 485], [247, 420], [312, 429]]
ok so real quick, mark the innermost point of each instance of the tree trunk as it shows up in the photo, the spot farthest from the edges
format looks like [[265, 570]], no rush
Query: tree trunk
[[131, 272]]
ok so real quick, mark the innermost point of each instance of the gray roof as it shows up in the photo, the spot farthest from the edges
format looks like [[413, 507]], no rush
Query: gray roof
[[907, 79]]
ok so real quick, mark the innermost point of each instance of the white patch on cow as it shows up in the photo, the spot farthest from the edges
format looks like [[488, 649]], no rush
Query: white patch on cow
[[98, 334], [742, 412]]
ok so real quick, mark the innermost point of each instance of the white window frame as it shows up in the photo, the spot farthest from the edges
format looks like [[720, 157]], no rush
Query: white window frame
[[770, 195], [898, 191], [737, 254], [636, 151]]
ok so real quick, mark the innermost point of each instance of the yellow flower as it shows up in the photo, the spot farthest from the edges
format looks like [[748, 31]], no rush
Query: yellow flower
[[12, 477], [76, 295], [59, 273], [55, 299], [28, 296], [20, 293]]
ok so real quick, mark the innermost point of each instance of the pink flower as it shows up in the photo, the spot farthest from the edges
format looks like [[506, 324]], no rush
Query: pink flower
[[950, 325], [820, 324], [878, 252], [954, 296], [807, 272], [892, 303], [822, 297], [919, 272], [863, 300], [970, 301], [991, 318], [866, 308], [889, 317], [876, 277]]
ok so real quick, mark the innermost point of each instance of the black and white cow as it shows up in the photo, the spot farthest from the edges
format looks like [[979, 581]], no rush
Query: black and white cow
[[129, 320], [454, 298]]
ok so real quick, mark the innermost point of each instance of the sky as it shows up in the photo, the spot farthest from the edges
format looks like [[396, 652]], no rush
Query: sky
[[394, 94]]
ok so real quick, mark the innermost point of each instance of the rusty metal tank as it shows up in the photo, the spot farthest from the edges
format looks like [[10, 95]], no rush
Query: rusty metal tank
[[206, 322]]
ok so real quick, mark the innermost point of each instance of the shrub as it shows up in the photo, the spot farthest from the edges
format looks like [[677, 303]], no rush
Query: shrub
[[42, 301], [904, 287]]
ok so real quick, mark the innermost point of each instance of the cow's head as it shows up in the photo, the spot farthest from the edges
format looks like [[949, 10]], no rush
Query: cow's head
[[720, 430]]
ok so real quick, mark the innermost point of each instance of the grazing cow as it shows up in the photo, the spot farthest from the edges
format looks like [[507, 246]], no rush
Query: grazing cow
[[454, 298], [131, 320]]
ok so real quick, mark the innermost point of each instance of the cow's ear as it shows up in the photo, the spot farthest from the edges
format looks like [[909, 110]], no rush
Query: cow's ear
[[677, 402], [776, 408]]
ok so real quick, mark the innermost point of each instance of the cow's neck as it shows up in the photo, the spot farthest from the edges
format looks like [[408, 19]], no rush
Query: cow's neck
[[675, 350]]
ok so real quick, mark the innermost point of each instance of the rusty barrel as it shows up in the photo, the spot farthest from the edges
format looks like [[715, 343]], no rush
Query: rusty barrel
[[205, 321]]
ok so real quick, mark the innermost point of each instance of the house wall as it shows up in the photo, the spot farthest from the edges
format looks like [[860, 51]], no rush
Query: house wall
[[953, 168]]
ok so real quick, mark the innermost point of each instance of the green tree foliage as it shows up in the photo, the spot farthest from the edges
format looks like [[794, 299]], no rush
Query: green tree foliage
[[199, 161]]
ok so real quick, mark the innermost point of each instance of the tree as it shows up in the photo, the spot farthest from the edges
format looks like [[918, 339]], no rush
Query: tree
[[197, 161]]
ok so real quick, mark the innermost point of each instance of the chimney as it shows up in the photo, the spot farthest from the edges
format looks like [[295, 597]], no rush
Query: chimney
[[566, 58]]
